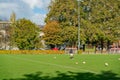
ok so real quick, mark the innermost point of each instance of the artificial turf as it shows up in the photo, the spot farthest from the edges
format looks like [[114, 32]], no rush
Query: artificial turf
[[59, 67]]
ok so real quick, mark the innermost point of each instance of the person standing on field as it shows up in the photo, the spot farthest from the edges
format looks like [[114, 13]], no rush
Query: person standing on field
[[71, 53]]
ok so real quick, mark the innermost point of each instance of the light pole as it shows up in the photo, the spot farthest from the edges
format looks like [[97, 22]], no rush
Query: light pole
[[78, 24]]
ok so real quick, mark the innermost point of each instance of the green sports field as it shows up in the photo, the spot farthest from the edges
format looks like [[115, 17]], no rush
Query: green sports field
[[59, 67]]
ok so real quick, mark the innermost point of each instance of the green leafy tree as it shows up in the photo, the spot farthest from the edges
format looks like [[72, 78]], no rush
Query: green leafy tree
[[99, 19], [103, 16], [70, 35], [24, 34], [63, 11]]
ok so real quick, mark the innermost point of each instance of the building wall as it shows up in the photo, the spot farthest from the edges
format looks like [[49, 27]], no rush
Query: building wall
[[4, 34]]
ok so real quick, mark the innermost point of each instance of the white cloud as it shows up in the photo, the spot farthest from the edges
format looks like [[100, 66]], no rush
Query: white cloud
[[38, 18], [37, 3], [24, 8], [7, 8], [31, 3]]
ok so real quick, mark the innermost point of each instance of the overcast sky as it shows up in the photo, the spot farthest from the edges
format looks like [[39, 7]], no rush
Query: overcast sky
[[35, 10]]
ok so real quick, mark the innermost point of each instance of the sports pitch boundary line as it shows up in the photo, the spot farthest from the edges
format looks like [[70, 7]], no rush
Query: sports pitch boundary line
[[51, 64]]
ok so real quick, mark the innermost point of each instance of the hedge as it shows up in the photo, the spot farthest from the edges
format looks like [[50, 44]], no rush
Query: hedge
[[31, 52]]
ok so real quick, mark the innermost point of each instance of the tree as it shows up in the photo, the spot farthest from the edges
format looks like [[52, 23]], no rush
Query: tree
[[99, 19], [24, 34], [63, 11], [70, 35], [53, 36], [105, 19]]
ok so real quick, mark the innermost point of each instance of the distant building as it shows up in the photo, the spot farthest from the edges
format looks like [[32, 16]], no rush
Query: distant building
[[41, 34], [4, 35]]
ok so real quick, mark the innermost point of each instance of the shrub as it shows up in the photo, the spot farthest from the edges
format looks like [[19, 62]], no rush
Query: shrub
[[31, 52], [79, 51]]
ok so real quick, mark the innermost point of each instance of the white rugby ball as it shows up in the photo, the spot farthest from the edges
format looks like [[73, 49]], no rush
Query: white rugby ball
[[106, 64], [76, 63], [54, 57], [118, 58], [83, 62]]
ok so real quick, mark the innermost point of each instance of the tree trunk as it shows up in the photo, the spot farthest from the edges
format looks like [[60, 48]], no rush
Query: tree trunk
[[108, 45], [101, 45]]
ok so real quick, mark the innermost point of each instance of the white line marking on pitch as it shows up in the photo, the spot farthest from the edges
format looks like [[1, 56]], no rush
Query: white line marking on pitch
[[62, 66]]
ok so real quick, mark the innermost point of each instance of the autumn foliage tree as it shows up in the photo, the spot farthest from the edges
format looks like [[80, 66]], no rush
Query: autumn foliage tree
[[53, 36]]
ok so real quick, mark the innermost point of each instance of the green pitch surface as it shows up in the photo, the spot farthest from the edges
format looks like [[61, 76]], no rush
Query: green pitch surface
[[59, 67]]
